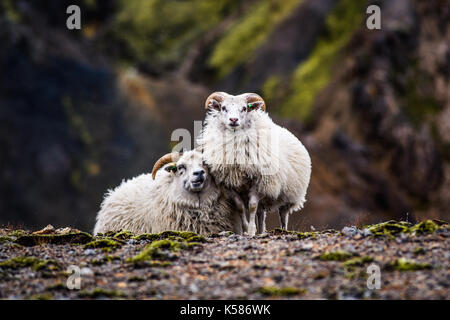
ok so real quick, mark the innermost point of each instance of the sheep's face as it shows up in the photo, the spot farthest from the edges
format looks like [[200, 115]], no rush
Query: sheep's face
[[234, 112], [190, 174]]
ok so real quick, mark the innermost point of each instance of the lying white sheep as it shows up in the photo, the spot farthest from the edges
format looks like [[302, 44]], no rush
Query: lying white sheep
[[181, 197], [255, 157]]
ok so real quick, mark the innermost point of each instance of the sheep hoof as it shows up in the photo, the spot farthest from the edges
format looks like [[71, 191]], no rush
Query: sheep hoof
[[251, 229]]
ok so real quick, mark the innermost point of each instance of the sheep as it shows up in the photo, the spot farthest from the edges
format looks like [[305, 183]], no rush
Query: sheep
[[182, 197], [250, 154]]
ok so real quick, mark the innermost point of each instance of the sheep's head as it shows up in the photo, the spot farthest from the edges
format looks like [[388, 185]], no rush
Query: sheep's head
[[188, 171], [234, 111]]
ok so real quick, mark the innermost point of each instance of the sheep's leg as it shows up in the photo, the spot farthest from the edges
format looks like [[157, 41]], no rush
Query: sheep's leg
[[262, 221], [242, 211], [253, 208], [237, 223], [284, 218]]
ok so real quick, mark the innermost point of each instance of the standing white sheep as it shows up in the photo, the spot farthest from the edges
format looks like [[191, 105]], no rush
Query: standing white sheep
[[253, 156], [181, 197]]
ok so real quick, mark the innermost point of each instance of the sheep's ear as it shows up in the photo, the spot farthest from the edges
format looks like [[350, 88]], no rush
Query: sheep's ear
[[255, 102], [214, 104], [256, 105], [214, 100]]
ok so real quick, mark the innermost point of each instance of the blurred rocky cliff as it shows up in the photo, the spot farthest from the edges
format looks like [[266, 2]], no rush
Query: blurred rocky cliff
[[80, 110]]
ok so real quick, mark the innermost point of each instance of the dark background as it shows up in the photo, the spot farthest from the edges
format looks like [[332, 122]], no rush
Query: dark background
[[80, 110]]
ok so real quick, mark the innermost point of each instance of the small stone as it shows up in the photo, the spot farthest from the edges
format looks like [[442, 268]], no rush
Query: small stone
[[89, 252], [350, 231], [193, 287], [132, 241], [86, 272], [366, 232], [48, 229]]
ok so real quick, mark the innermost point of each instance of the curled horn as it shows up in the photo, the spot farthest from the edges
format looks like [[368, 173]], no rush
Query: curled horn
[[217, 96], [170, 157], [253, 97]]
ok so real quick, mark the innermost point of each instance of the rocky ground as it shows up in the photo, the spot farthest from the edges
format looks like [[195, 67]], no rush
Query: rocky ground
[[413, 262]]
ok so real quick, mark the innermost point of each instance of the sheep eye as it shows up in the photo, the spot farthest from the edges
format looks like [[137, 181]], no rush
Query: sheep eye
[[172, 168], [251, 106]]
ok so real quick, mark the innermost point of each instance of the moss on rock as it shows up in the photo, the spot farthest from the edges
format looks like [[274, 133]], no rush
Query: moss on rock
[[336, 256], [100, 292], [281, 292], [24, 262], [403, 264], [158, 249], [67, 238], [105, 243], [357, 261]]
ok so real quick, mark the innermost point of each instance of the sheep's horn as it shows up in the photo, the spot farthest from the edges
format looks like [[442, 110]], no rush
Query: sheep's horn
[[218, 96], [253, 97], [170, 157]]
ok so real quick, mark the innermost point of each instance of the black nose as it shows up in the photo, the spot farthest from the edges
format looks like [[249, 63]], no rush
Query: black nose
[[234, 120], [199, 173]]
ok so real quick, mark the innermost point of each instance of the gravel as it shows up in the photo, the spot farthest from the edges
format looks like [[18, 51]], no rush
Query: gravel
[[239, 267]]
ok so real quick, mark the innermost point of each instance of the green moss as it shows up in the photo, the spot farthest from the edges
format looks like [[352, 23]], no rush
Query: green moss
[[403, 264], [271, 89], [24, 262], [9, 7], [17, 233], [100, 292], [424, 227], [123, 235], [105, 243], [157, 249], [171, 235], [42, 296], [136, 279], [306, 235], [4, 239], [392, 228], [281, 292], [336, 256], [389, 228], [162, 31], [313, 74], [67, 238], [357, 261], [105, 259], [247, 34]]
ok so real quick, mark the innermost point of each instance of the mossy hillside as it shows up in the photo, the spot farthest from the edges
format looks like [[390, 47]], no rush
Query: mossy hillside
[[161, 31], [280, 292], [247, 34], [313, 74], [33, 262]]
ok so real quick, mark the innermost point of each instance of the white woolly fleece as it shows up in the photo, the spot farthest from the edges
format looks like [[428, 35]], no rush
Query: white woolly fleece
[[261, 153], [144, 205]]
